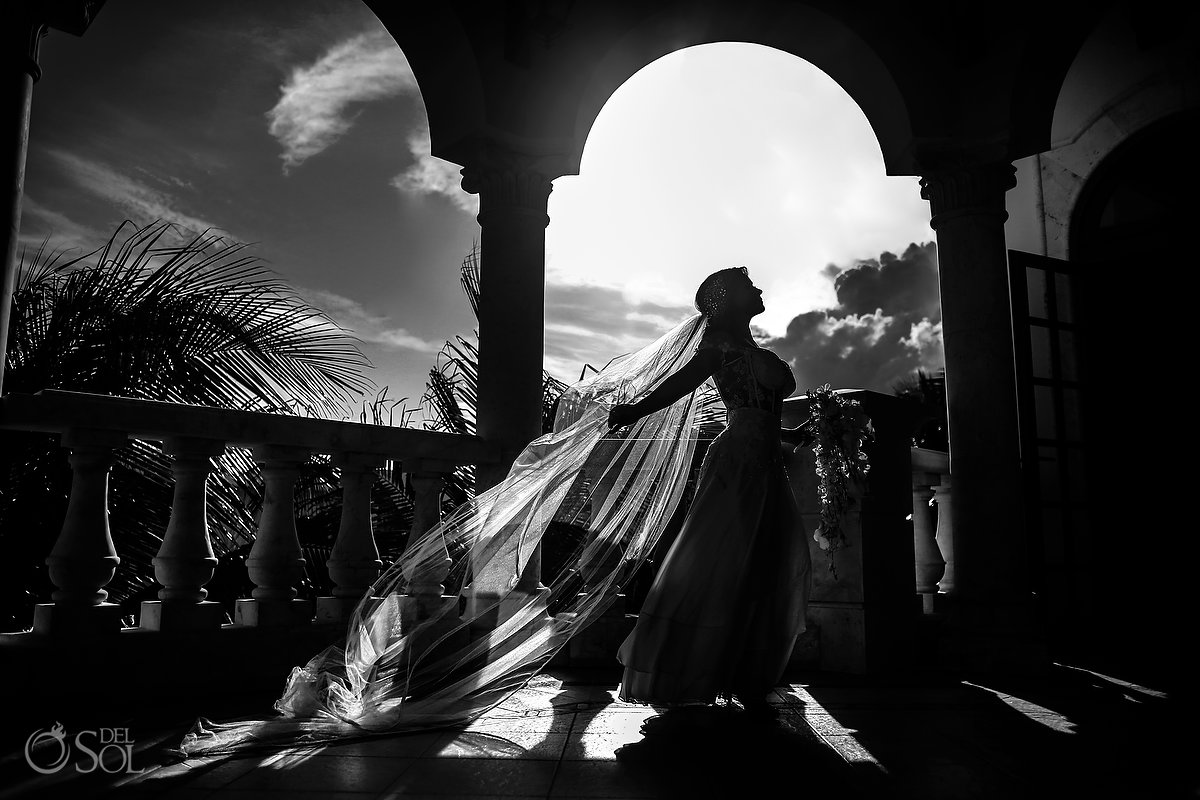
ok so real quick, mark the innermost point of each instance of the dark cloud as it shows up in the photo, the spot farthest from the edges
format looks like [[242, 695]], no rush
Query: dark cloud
[[594, 324], [887, 324]]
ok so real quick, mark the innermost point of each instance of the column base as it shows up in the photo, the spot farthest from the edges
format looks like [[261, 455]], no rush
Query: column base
[[337, 609], [68, 620], [597, 644], [489, 610], [936, 602], [167, 615], [273, 613]]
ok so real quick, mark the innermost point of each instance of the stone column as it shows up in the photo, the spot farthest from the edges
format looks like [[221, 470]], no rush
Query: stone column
[[928, 558], [22, 40], [968, 214], [513, 190], [943, 497], [25, 22], [276, 562], [83, 559], [354, 563], [185, 561]]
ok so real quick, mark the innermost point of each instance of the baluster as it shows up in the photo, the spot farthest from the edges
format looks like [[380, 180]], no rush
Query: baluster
[[276, 563], [185, 561], [428, 582], [354, 563], [945, 534], [426, 598], [83, 559], [929, 563]]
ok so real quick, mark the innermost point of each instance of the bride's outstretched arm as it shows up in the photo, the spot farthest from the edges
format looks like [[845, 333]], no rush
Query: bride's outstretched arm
[[685, 381]]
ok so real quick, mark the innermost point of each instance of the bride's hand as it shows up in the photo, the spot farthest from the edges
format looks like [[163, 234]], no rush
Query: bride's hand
[[622, 414], [798, 437]]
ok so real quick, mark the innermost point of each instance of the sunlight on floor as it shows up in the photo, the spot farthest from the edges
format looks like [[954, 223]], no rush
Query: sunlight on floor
[[1040, 714], [1133, 687], [826, 726]]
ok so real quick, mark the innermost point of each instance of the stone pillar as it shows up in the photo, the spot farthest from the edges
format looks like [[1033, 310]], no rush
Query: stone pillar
[[354, 563], [513, 190], [943, 497], [929, 560], [276, 563], [25, 23], [83, 559], [22, 40], [185, 561], [968, 214]]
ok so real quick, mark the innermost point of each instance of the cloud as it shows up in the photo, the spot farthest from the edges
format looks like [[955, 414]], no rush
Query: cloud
[[886, 324], [312, 112], [373, 328], [590, 324], [140, 202], [40, 224], [432, 175]]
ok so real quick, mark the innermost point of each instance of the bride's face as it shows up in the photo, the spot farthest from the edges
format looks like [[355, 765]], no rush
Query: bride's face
[[747, 298]]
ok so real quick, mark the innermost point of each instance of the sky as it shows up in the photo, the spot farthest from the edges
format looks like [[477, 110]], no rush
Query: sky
[[298, 127]]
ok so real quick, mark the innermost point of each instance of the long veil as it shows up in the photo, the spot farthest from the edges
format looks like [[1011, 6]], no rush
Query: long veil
[[449, 630]]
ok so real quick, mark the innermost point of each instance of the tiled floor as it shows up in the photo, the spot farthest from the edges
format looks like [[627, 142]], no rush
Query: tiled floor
[[1073, 734]]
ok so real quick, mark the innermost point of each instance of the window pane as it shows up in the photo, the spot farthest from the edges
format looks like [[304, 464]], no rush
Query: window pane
[[1063, 298], [1039, 346], [1043, 401], [1072, 422], [1036, 287], [1068, 355], [1048, 475]]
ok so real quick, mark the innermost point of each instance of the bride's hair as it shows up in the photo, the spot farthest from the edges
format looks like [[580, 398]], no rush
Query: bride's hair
[[710, 297]]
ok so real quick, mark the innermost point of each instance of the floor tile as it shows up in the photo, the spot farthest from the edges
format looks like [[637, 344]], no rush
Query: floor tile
[[614, 721], [499, 744], [480, 776], [603, 779], [539, 723], [404, 745], [317, 773], [598, 746]]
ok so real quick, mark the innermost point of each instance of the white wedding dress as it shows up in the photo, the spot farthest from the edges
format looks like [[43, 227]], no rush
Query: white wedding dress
[[729, 599]]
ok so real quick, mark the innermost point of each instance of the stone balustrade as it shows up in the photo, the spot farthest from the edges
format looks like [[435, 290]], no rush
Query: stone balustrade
[[84, 558], [933, 533]]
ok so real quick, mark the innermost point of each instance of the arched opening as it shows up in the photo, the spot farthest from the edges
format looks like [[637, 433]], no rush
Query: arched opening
[[298, 128], [734, 153]]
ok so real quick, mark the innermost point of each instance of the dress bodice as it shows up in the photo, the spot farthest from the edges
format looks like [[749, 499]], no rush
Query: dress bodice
[[749, 376]]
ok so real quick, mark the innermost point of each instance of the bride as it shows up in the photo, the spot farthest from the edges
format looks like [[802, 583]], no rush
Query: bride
[[449, 631], [729, 599]]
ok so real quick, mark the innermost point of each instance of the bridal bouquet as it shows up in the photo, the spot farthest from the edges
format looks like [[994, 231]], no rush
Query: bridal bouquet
[[840, 429]]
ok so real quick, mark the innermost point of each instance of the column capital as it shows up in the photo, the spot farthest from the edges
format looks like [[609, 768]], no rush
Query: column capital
[[25, 40], [510, 182], [967, 190], [30, 20]]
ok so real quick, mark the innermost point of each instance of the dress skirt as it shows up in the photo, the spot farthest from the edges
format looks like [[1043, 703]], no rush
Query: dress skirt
[[730, 597]]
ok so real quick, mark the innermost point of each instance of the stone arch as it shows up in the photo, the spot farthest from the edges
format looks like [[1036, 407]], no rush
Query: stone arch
[[826, 42], [1088, 128]]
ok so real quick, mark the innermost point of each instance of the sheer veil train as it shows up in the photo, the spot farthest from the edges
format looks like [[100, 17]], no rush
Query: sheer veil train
[[416, 657]]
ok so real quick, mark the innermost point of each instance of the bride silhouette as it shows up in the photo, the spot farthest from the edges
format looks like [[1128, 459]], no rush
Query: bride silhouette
[[729, 599], [449, 631]]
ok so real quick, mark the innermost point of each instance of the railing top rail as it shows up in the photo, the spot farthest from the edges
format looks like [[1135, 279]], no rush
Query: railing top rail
[[54, 411], [926, 460]]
